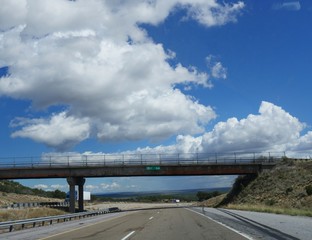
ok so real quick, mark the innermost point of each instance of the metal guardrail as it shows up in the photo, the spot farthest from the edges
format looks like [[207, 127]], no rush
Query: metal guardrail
[[37, 204], [78, 160], [33, 222]]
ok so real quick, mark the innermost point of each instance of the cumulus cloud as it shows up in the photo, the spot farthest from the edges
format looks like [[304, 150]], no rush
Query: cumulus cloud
[[60, 131], [215, 14], [110, 186], [217, 70], [92, 188], [41, 186], [273, 129], [93, 59]]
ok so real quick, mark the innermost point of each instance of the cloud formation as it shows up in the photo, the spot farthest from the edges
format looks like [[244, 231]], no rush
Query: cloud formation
[[94, 60], [273, 129], [289, 5]]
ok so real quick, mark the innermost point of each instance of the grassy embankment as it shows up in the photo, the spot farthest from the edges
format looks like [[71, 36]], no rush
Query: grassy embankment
[[287, 189], [13, 192], [17, 214]]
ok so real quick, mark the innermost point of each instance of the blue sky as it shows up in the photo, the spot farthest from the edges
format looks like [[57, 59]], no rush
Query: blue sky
[[94, 77]]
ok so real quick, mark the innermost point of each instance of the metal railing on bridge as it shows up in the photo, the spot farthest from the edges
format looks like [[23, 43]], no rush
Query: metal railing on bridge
[[89, 160]]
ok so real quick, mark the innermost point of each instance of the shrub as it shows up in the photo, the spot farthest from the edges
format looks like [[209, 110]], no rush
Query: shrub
[[309, 190], [270, 202], [288, 190]]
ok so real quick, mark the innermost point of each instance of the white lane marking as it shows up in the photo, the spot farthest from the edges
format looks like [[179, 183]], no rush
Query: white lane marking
[[232, 229], [106, 218], [128, 235], [151, 218]]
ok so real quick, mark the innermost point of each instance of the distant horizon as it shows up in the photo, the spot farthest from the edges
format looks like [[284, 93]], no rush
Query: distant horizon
[[146, 192]]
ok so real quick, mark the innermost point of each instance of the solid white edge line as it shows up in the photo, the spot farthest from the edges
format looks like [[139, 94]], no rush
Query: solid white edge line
[[128, 235], [224, 225]]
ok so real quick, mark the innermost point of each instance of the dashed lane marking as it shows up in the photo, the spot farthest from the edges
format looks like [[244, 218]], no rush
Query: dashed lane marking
[[128, 235]]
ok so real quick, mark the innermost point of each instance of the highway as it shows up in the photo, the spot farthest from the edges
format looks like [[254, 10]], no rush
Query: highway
[[174, 223], [177, 223], [162, 223]]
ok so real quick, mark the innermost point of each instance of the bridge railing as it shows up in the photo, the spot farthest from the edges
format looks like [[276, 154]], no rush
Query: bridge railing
[[88, 160]]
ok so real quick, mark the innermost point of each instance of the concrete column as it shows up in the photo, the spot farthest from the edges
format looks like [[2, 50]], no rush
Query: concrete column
[[80, 182], [72, 182]]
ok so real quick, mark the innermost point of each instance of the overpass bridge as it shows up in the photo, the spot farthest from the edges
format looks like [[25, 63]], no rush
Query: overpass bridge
[[76, 167]]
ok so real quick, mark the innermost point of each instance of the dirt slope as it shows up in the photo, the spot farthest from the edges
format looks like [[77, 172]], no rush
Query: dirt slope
[[284, 186], [7, 199]]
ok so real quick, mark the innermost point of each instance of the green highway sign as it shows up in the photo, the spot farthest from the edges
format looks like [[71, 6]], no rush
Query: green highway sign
[[153, 168]]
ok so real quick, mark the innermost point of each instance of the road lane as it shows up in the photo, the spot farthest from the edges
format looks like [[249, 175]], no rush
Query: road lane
[[263, 225], [153, 224]]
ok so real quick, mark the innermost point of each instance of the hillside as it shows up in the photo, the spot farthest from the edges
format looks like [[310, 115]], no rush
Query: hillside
[[285, 189], [288, 185], [13, 192]]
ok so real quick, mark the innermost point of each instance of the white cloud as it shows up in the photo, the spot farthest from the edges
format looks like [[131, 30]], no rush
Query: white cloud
[[12, 13], [216, 68], [91, 188], [273, 129], [60, 131], [41, 186], [93, 59], [289, 5], [214, 14], [110, 187]]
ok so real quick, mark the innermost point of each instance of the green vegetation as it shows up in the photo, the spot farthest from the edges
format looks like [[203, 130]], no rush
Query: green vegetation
[[286, 189], [201, 196], [239, 185], [309, 190], [149, 198], [15, 187], [17, 214]]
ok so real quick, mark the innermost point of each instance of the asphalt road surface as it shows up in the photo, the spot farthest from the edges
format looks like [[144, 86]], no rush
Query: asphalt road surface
[[262, 225], [175, 223], [153, 224]]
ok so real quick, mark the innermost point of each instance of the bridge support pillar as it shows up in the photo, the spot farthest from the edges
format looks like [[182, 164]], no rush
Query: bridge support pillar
[[73, 181], [80, 182]]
